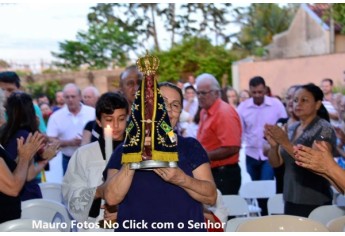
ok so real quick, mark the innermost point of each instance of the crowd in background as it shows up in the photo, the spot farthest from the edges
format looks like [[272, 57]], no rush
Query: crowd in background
[[278, 135]]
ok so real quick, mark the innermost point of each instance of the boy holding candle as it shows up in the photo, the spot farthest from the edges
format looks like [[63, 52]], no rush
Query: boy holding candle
[[81, 184]]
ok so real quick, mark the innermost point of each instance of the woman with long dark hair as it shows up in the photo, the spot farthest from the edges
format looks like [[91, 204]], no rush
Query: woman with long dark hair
[[21, 121]]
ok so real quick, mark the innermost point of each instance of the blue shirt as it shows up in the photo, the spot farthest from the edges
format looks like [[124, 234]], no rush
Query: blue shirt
[[152, 201]]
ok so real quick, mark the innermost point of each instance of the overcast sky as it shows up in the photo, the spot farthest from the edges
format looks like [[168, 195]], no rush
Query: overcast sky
[[29, 31]]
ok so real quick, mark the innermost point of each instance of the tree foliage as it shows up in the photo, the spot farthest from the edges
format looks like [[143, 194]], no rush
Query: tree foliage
[[102, 46], [116, 29], [48, 88], [179, 19], [339, 15], [196, 55], [259, 23], [4, 64]]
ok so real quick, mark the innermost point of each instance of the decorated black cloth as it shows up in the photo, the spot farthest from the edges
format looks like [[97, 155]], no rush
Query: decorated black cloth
[[163, 140]]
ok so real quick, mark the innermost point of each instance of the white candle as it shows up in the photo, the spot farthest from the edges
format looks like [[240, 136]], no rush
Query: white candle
[[108, 137]]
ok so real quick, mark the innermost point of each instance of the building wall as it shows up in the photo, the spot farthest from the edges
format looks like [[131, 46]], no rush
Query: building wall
[[339, 43], [103, 80], [306, 36], [279, 74]]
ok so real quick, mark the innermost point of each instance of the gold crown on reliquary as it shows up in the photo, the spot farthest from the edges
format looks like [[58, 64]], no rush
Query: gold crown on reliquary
[[148, 65]]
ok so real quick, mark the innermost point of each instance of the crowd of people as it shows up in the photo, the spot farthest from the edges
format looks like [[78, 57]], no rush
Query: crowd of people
[[293, 140]]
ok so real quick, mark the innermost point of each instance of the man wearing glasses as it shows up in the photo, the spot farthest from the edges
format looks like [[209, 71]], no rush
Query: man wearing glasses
[[220, 134]]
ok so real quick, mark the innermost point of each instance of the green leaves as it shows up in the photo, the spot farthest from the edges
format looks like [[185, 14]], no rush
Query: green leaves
[[259, 23], [339, 15], [48, 88], [194, 55], [104, 45], [115, 29]]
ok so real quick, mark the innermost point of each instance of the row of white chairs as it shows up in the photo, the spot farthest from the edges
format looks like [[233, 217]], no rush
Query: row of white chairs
[[51, 191], [275, 223], [281, 223], [254, 190], [332, 216], [237, 206], [23, 225], [40, 215]]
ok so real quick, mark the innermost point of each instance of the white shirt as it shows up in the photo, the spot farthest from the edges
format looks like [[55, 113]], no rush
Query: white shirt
[[64, 125], [331, 109], [193, 108], [83, 176]]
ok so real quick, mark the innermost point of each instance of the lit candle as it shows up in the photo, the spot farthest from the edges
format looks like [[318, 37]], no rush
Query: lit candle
[[108, 137]]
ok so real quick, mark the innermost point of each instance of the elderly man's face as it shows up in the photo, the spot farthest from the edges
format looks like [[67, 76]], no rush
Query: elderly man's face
[[72, 98], [206, 95], [129, 85], [89, 98]]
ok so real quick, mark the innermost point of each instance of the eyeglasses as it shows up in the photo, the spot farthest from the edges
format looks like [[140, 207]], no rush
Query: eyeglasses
[[132, 83], [203, 93], [175, 106]]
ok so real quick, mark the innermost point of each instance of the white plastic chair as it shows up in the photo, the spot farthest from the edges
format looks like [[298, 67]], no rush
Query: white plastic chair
[[337, 224], [340, 200], [281, 223], [23, 225], [236, 205], [275, 205], [257, 189], [335, 194], [51, 191], [47, 211], [326, 213], [232, 224]]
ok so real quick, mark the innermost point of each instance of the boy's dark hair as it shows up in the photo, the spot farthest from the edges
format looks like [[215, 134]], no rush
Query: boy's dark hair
[[110, 101], [10, 77]]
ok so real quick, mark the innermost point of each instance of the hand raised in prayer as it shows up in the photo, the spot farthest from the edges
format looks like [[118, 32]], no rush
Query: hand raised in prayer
[[33, 143], [50, 150], [317, 159], [277, 134]]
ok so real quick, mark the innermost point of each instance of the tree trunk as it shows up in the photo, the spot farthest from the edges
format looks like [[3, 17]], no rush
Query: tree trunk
[[154, 29], [173, 23]]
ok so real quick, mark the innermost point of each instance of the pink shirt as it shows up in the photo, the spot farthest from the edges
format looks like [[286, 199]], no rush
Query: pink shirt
[[253, 118], [220, 126]]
